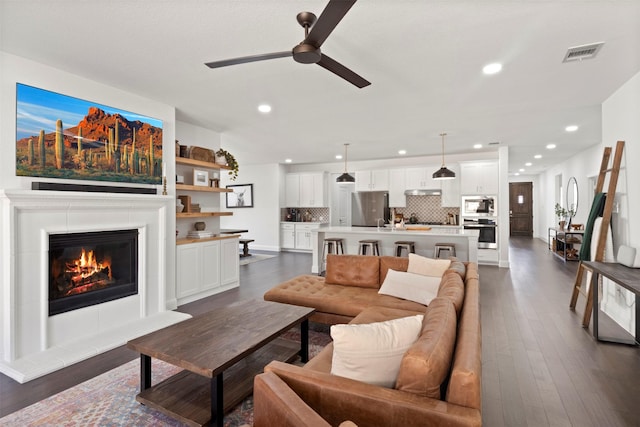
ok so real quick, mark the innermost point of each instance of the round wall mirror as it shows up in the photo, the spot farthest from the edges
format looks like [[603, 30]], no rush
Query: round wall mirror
[[572, 197]]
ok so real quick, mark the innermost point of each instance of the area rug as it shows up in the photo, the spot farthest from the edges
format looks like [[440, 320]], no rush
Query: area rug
[[255, 258], [109, 399]]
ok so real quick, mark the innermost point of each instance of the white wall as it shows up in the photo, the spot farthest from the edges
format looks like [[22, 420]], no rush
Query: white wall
[[620, 121], [263, 219], [620, 113]]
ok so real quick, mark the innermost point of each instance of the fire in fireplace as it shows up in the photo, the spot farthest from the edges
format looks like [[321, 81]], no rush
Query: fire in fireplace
[[91, 268]]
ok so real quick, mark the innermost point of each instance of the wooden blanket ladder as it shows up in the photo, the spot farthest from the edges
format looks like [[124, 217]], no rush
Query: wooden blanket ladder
[[606, 221]]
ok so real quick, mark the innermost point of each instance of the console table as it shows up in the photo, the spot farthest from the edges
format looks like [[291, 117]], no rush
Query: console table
[[628, 278], [563, 242]]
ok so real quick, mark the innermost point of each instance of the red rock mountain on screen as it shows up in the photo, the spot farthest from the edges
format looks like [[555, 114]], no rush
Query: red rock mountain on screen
[[95, 131]]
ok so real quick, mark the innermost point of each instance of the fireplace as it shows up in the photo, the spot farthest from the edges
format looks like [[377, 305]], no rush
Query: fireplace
[[91, 268]]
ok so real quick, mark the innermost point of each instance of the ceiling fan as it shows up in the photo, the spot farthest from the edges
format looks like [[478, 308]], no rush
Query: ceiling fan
[[308, 51]]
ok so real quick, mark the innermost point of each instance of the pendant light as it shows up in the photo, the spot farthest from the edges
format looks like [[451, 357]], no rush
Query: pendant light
[[443, 172], [345, 177]]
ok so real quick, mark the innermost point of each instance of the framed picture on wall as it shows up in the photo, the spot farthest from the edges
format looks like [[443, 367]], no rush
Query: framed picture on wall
[[242, 196]]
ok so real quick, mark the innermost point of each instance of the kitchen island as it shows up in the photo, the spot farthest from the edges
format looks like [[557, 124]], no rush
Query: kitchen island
[[426, 237]]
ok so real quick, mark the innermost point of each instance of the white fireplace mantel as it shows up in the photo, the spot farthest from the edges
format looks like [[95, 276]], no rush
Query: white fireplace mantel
[[32, 343]]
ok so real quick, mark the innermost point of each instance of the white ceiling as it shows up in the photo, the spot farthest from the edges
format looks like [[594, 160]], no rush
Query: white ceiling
[[424, 59]]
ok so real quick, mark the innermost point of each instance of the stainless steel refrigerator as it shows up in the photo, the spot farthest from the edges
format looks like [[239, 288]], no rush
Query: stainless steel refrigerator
[[369, 206]]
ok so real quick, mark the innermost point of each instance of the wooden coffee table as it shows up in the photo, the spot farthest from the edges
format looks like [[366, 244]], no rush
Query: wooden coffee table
[[236, 341]]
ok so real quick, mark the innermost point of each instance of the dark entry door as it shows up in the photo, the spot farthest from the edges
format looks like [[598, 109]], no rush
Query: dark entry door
[[521, 209]]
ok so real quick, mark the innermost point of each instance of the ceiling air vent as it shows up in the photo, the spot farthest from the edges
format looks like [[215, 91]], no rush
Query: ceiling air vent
[[578, 53]]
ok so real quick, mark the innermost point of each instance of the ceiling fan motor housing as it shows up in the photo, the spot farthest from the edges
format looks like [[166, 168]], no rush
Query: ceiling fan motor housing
[[306, 54]]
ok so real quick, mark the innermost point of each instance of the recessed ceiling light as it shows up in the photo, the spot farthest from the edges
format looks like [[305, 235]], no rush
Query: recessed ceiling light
[[551, 146], [537, 156], [492, 68], [521, 170], [571, 128], [264, 108], [402, 152], [339, 156], [516, 174], [528, 164], [287, 160], [477, 146]]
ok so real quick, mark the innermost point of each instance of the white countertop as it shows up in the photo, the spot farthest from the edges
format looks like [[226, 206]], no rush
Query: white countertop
[[435, 231]]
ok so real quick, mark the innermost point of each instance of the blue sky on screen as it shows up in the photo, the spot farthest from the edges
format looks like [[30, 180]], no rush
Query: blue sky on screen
[[38, 109]]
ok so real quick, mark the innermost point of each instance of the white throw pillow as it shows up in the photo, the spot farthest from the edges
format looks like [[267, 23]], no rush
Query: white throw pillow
[[414, 287], [372, 352], [427, 266]]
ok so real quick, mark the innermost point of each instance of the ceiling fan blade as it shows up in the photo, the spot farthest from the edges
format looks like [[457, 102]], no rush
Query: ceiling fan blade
[[245, 59], [342, 71], [330, 17]]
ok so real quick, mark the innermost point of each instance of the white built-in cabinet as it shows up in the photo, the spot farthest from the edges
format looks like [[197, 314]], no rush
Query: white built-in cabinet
[[372, 180], [422, 178], [230, 263], [479, 178], [305, 190], [397, 186], [206, 268]]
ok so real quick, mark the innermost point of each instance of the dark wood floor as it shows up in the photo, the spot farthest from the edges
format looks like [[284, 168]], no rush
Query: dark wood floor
[[540, 367]]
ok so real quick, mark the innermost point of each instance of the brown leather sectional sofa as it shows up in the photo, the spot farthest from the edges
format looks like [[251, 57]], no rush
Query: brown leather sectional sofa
[[445, 360]]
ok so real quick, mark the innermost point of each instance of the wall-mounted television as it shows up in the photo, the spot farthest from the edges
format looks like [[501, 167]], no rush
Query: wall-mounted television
[[60, 136]]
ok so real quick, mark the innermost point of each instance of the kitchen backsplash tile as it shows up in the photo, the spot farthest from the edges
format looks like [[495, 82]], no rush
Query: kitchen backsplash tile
[[317, 214], [427, 208]]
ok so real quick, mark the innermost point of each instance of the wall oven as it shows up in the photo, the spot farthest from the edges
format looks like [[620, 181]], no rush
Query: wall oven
[[488, 231]]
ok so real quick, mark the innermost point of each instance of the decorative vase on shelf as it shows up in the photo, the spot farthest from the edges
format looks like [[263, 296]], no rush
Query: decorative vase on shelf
[[200, 225], [562, 224]]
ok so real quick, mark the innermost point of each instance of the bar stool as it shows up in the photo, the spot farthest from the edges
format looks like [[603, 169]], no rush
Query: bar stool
[[332, 245], [372, 244], [444, 247], [409, 246]]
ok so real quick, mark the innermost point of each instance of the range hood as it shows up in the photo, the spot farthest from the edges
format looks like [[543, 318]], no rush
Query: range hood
[[433, 192]]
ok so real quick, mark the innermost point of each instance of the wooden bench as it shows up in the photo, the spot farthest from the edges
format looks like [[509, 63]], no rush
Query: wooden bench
[[245, 246]]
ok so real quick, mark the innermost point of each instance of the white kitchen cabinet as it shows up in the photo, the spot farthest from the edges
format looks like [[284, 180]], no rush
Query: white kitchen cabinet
[[288, 236], [303, 236], [422, 178], [397, 186], [372, 180], [451, 189], [479, 178], [305, 190], [297, 235], [292, 190], [206, 268]]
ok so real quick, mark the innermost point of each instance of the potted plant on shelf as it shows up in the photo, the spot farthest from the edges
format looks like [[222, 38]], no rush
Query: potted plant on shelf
[[561, 213], [223, 157]]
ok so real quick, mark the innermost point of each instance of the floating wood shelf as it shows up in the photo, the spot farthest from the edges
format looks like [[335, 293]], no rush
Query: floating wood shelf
[[199, 163], [201, 214], [203, 188]]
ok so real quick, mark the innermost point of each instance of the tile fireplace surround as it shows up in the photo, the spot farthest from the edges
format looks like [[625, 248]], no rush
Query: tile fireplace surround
[[33, 344]]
